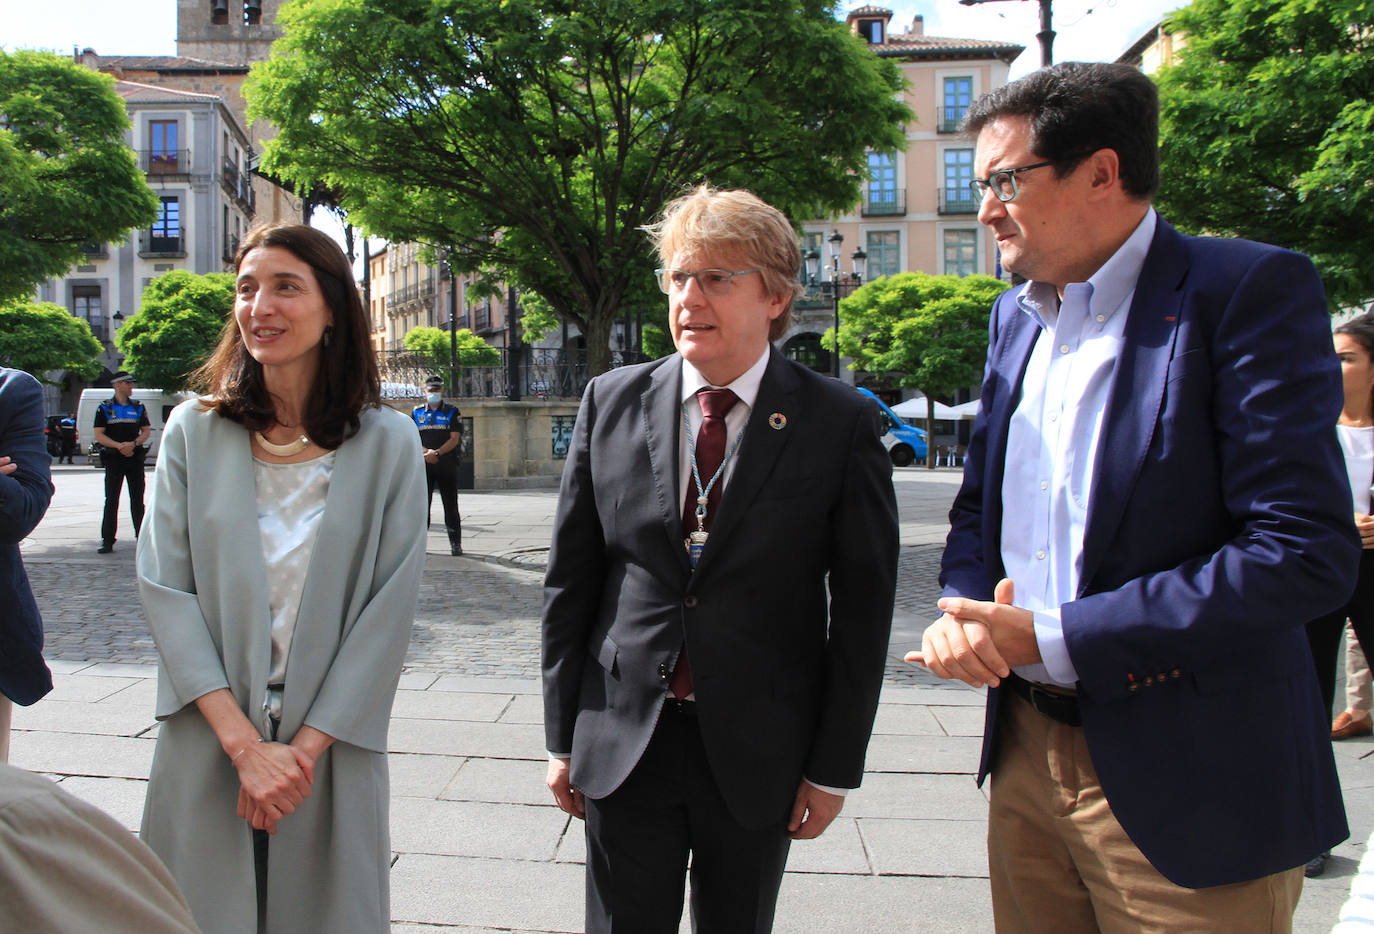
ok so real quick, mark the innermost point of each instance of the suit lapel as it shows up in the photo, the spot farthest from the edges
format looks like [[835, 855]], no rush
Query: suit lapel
[[1137, 392], [661, 406], [758, 451], [1013, 354]]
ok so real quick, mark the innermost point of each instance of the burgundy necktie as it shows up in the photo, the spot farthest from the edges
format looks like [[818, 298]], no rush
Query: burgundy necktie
[[710, 451]]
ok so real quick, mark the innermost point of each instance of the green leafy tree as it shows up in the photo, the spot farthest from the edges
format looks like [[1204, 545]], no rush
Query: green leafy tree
[[1267, 130], [538, 137], [432, 344], [178, 323], [919, 331], [67, 176], [42, 337]]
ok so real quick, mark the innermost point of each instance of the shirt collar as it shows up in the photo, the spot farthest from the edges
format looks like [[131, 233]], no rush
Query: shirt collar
[[1110, 285], [745, 386]]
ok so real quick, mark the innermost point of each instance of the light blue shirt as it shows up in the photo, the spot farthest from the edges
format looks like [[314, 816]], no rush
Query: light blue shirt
[[1054, 438]]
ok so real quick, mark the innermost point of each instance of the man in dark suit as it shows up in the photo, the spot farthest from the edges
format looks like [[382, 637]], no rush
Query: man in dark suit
[[1153, 505], [25, 490], [701, 694]]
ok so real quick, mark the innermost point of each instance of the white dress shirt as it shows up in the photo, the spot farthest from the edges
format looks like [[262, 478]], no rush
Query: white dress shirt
[[1053, 441], [746, 388]]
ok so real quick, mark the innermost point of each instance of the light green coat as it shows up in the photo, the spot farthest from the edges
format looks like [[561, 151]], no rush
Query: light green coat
[[203, 581]]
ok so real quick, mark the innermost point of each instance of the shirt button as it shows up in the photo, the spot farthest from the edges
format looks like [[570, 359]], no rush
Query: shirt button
[[663, 671], [690, 601], [1040, 554], [1044, 485], [1063, 348], [1054, 417], [1101, 318]]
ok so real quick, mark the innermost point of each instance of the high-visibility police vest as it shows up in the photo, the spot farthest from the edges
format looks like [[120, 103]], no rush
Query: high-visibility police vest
[[436, 425]]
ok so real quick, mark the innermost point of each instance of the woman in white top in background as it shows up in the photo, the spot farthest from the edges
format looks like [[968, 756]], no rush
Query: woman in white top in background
[[278, 569], [1355, 347]]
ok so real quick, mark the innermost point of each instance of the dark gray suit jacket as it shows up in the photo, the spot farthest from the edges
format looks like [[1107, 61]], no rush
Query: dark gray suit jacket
[[785, 685]]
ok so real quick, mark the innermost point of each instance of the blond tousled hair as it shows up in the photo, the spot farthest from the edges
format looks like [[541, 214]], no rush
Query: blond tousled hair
[[708, 219]]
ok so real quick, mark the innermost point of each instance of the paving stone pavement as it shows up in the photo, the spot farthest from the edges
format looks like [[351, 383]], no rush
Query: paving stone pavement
[[474, 617], [479, 848]]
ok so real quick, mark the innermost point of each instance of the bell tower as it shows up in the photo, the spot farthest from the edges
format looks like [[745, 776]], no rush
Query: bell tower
[[237, 32]]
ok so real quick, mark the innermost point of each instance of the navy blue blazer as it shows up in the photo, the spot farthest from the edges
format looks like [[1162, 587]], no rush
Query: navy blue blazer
[[24, 497], [1219, 522]]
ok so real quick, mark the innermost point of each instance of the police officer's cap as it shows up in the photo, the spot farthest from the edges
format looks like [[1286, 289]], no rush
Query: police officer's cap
[[434, 382], [123, 376]]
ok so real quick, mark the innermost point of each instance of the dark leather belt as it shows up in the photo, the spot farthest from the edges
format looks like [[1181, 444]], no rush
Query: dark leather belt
[[1061, 708]]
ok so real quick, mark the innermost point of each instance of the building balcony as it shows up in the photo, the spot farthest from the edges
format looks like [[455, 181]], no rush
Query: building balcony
[[96, 250], [165, 161], [958, 201], [231, 248], [152, 244], [885, 203], [950, 118], [229, 178]]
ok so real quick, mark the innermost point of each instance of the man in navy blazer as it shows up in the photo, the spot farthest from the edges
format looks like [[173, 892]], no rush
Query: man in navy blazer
[[784, 614], [1153, 505], [25, 490]]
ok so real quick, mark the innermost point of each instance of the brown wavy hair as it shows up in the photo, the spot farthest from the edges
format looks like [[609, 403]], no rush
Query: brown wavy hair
[[346, 381]]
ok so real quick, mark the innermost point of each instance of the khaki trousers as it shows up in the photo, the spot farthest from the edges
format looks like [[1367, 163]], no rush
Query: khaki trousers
[[6, 706], [1060, 863]]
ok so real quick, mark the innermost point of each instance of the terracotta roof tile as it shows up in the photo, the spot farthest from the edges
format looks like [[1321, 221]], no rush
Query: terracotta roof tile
[[164, 63], [906, 45], [144, 93]]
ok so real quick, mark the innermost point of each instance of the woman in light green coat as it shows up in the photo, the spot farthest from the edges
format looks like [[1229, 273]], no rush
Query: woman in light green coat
[[278, 567]]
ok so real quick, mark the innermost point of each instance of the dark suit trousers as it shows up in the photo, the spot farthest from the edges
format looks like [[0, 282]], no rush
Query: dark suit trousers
[[640, 835], [443, 476], [117, 470], [1324, 633]]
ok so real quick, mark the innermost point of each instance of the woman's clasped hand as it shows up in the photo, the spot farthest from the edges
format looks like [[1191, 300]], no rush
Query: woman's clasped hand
[[274, 778]]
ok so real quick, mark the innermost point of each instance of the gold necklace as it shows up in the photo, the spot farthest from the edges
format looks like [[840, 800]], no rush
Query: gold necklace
[[283, 450]]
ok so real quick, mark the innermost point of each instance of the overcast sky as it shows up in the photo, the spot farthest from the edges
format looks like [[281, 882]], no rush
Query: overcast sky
[[1091, 30]]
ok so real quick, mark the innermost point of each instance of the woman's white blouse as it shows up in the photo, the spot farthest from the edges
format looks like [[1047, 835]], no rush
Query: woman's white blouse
[[290, 505], [1357, 444]]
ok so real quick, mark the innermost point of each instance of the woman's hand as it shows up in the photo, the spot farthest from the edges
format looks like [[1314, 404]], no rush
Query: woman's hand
[[274, 779], [1365, 526]]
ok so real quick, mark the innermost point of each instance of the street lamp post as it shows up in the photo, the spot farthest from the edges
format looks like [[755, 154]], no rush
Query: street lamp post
[[452, 326], [1045, 35], [837, 283]]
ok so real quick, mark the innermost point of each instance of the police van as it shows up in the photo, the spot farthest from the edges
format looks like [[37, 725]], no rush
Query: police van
[[158, 403], [905, 443]]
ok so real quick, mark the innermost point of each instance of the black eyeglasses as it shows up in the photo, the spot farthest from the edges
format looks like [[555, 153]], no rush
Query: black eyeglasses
[[1002, 182]]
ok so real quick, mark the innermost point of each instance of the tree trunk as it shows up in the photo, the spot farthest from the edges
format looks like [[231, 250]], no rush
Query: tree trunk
[[598, 335]]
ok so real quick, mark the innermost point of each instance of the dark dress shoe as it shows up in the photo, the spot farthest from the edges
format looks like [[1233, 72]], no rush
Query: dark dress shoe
[[104, 549], [1316, 865]]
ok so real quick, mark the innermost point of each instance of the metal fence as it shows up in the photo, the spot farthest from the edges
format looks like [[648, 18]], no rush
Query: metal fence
[[537, 373]]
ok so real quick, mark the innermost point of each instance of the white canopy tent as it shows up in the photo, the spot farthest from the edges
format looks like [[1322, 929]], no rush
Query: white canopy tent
[[915, 410]]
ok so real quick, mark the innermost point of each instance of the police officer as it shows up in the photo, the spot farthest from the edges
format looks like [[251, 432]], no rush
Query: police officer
[[121, 429], [67, 435], [441, 433]]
